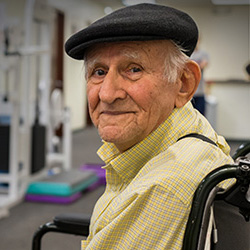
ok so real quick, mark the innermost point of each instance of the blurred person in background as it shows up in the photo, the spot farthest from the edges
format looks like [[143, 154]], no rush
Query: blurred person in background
[[202, 58]]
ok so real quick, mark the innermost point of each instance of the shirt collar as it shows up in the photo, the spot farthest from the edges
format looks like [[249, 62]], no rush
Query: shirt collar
[[129, 163]]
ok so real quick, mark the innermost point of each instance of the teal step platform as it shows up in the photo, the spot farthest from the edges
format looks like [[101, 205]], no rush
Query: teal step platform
[[66, 183]]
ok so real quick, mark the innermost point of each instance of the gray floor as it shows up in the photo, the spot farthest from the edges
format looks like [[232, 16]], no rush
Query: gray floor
[[16, 230]]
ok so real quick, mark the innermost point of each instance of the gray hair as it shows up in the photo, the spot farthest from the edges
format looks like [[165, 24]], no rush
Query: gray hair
[[174, 62]]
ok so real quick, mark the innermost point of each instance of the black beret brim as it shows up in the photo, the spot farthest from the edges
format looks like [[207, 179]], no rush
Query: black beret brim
[[140, 22]]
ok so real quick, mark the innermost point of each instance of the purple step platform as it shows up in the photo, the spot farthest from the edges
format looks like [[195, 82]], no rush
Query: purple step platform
[[53, 198], [99, 171]]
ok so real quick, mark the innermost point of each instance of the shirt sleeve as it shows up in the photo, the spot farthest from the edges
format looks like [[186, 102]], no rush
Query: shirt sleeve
[[151, 219]]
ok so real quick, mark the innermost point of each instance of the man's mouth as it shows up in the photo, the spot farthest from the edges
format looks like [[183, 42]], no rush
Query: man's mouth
[[113, 113]]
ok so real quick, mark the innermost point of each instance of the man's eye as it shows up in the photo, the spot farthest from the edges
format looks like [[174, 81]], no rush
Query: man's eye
[[134, 73], [99, 72], [135, 70], [96, 75]]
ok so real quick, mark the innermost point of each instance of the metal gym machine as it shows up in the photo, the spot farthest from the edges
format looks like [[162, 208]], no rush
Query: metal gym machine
[[26, 110]]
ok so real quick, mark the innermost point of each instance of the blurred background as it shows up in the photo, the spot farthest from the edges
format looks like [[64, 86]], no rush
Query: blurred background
[[45, 129]]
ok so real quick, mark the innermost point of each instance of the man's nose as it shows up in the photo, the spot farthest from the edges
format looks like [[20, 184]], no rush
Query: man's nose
[[112, 87]]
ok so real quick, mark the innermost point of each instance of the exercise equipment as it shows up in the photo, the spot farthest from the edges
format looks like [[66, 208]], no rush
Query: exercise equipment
[[38, 147], [4, 147], [63, 184], [99, 171], [64, 187], [59, 149], [25, 70], [38, 135], [53, 198], [67, 186]]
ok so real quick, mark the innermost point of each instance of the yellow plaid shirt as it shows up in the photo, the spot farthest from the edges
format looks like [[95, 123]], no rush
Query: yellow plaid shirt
[[150, 187]]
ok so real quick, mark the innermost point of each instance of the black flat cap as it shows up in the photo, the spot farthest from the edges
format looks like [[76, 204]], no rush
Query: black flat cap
[[137, 23]]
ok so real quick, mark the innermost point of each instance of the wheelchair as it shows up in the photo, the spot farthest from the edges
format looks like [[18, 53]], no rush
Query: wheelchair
[[218, 220]]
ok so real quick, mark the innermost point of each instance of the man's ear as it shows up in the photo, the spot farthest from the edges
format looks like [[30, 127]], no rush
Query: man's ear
[[189, 81]]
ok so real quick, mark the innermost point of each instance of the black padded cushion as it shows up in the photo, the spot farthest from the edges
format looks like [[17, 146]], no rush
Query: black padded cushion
[[74, 222], [233, 230]]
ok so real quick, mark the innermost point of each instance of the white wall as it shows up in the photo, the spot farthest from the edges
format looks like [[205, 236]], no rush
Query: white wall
[[232, 109], [225, 36]]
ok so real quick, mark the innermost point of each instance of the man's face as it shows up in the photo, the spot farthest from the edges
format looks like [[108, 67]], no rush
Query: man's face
[[128, 95]]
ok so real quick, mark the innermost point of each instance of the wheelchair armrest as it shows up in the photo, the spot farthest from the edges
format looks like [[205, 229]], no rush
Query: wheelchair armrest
[[72, 222], [77, 224]]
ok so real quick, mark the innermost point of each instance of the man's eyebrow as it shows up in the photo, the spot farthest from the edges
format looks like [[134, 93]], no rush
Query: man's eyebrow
[[91, 62]]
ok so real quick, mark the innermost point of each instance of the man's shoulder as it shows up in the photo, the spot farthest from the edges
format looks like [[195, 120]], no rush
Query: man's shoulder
[[181, 167]]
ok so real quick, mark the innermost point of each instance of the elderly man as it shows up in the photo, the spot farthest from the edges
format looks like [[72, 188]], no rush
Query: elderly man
[[157, 147]]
